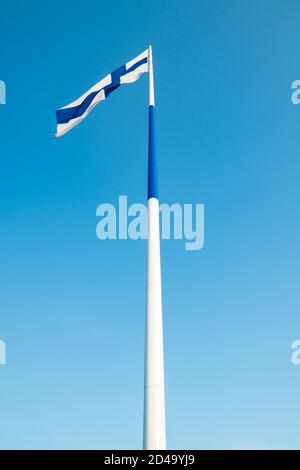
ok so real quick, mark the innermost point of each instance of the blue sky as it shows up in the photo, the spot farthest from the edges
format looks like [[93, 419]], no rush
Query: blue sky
[[72, 307]]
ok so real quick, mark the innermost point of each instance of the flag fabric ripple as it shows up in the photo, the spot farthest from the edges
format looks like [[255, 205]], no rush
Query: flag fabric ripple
[[72, 114]]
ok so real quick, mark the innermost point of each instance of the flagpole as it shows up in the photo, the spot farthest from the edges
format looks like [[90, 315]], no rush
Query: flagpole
[[154, 393]]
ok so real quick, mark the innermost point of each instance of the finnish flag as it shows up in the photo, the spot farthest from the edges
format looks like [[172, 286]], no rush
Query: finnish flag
[[72, 114]]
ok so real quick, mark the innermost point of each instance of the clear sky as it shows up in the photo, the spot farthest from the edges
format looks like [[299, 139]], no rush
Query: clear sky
[[72, 307]]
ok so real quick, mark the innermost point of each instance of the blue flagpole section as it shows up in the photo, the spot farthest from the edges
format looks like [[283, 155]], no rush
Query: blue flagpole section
[[152, 160]]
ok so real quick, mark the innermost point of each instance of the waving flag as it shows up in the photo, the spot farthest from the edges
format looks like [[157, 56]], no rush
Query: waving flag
[[72, 114]]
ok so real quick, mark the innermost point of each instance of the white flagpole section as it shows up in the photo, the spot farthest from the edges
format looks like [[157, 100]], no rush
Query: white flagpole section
[[154, 393]]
